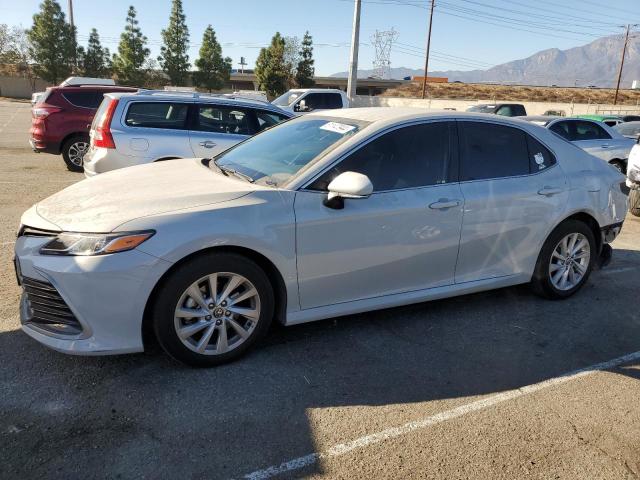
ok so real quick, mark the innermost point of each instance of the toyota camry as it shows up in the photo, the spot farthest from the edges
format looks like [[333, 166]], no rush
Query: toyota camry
[[329, 214]]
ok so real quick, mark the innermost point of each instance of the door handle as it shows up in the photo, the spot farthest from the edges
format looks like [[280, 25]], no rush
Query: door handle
[[444, 203], [549, 191], [207, 144], [605, 146]]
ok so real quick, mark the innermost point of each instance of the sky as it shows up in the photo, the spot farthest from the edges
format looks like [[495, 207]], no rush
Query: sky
[[467, 34]]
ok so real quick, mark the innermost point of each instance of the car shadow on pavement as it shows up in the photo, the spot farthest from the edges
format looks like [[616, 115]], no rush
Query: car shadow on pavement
[[144, 415]]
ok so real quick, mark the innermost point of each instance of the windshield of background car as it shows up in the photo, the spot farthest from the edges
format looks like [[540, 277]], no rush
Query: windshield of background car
[[286, 99], [276, 155], [482, 108]]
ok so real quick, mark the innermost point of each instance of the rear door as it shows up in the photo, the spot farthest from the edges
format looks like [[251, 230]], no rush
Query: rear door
[[215, 128], [513, 192]]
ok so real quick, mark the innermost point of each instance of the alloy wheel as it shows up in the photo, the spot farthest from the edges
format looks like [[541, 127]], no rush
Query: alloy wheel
[[77, 151], [217, 313], [569, 261]]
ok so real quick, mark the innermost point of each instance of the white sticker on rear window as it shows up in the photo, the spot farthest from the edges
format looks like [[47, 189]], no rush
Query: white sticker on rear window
[[539, 158], [336, 127]]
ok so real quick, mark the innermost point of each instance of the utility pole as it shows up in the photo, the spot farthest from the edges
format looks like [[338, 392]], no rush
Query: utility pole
[[73, 33], [353, 61], [426, 61], [624, 52]]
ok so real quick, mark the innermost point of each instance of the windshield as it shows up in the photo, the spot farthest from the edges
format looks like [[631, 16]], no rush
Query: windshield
[[482, 108], [276, 155], [287, 99]]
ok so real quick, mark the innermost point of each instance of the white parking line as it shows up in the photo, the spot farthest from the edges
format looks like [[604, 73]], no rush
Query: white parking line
[[482, 404]]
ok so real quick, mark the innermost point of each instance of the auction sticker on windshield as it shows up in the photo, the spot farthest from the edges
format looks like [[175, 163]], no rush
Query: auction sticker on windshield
[[336, 127]]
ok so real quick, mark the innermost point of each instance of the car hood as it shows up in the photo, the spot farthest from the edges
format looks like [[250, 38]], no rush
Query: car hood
[[103, 202]]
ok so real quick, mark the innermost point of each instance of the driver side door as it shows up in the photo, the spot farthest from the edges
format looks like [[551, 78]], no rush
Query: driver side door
[[402, 238]]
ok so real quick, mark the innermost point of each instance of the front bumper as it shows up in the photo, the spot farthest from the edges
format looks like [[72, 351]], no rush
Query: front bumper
[[107, 294]]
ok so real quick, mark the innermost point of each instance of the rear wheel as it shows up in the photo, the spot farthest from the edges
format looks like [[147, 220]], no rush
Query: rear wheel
[[565, 261], [73, 152], [212, 309], [634, 202]]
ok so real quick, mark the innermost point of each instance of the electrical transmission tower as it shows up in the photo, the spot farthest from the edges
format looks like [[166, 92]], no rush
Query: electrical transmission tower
[[383, 42]]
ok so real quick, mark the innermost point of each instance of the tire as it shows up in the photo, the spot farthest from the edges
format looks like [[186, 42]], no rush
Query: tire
[[203, 334], [619, 165], [548, 286], [634, 202], [73, 152]]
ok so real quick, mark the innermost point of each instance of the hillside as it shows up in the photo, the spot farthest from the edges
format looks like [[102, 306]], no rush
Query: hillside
[[519, 93], [593, 64]]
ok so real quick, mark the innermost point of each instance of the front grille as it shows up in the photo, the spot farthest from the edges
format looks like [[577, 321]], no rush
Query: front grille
[[26, 231], [47, 309]]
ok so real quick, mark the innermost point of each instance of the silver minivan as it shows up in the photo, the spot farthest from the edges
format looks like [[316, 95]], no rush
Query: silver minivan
[[151, 125]]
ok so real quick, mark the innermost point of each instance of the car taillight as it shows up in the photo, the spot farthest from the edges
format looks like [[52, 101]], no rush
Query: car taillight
[[102, 137], [44, 112]]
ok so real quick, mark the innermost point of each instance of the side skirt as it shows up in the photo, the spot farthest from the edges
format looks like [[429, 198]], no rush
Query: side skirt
[[400, 299]]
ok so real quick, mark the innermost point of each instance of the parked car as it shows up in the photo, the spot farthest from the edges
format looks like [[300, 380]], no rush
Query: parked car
[[155, 125], [610, 120], [629, 129], [304, 100], [504, 109], [630, 118], [61, 118], [596, 138], [328, 214], [633, 180]]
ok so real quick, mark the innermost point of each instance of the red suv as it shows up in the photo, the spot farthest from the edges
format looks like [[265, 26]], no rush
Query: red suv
[[62, 117]]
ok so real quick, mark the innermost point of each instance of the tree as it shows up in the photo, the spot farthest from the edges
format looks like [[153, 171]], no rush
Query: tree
[[96, 61], [52, 43], [305, 69], [271, 70], [291, 58], [213, 69], [174, 59], [132, 52]]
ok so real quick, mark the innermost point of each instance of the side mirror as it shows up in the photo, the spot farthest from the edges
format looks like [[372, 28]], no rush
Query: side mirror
[[347, 185]]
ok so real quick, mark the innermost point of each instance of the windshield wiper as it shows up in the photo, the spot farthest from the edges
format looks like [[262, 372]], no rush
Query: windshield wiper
[[227, 171]]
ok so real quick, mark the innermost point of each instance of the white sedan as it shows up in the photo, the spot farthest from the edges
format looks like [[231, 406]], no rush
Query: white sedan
[[329, 214], [594, 137]]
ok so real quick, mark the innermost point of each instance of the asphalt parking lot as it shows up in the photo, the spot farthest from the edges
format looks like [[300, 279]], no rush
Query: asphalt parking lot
[[494, 385]]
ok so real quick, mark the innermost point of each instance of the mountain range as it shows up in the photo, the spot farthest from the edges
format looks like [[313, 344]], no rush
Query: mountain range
[[596, 64]]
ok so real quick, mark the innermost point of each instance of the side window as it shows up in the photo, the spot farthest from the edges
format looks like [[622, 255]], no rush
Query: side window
[[333, 100], [157, 115], [492, 151], [539, 156], [82, 99], [314, 101], [590, 131], [218, 119], [563, 129], [505, 111], [268, 119], [409, 157]]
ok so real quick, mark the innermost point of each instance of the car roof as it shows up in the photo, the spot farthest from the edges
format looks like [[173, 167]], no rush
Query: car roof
[[400, 114], [79, 88], [230, 99], [540, 118]]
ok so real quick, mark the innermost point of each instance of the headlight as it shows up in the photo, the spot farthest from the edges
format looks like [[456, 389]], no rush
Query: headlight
[[94, 243]]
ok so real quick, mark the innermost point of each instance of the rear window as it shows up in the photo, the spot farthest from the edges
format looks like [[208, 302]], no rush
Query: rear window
[[157, 115], [87, 99]]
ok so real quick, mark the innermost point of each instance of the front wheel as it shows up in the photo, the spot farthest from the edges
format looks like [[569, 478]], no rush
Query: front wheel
[[565, 261], [634, 202], [213, 309], [73, 152]]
